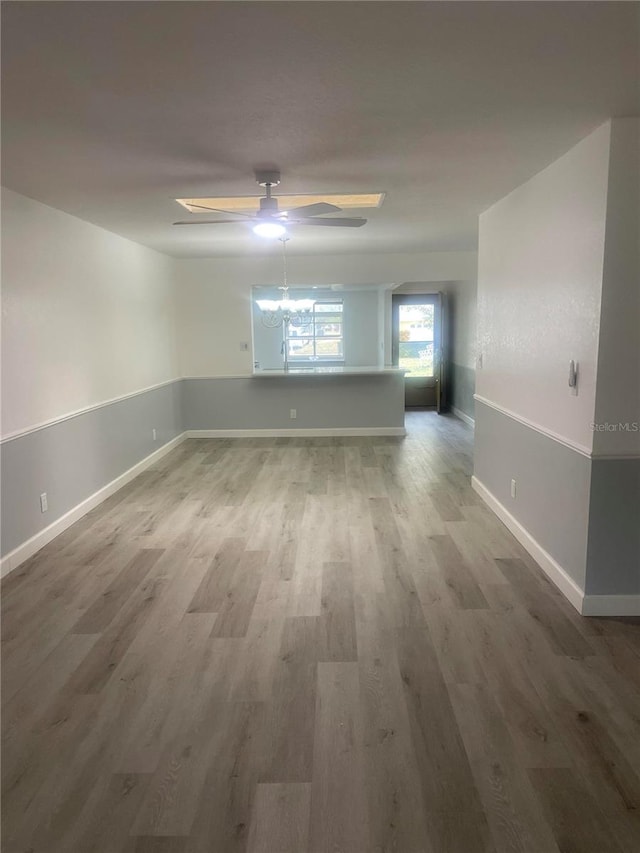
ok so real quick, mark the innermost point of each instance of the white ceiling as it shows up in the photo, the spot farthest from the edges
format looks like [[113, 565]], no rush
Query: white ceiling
[[111, 110]]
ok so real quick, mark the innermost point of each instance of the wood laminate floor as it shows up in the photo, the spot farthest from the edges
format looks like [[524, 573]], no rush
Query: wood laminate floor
[[290, 645]]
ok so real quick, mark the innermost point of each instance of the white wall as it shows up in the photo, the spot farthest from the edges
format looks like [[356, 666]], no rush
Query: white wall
[[213, 295], [463, 305], [86, 315], [618, 391], [540, 268], [559, 278], [361, 341]]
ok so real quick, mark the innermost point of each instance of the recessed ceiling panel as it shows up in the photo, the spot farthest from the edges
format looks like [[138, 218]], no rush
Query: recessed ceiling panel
[[250, 204]]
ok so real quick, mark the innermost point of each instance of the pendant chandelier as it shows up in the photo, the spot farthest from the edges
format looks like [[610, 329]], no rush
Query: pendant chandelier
[[281, 312]]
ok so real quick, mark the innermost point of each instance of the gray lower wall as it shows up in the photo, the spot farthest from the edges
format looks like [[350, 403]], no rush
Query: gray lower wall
[[72, 459], [322, 402], [613, 552], [553, 484], [463, 387]]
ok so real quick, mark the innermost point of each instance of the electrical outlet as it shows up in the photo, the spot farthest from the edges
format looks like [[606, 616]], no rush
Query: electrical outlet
[[155, 434], [244, 346], [293, 413], [513, 488], [44, 504]]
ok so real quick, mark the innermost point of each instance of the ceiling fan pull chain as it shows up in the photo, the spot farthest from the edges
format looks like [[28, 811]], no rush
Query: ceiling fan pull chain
[[284, 240]]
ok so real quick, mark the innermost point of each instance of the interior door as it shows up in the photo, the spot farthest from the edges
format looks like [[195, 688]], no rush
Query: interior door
[[416, 342]]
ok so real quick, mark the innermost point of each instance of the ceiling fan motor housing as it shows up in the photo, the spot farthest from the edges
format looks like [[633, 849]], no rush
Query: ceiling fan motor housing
[[268, 207]]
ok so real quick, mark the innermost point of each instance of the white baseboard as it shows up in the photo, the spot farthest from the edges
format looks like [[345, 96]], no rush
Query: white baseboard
[[554, 571], [16, 557], [283, 433], [463, 417], [586, 605], [611, 605]]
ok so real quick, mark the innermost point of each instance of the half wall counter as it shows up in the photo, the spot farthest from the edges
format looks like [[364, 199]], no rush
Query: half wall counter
[[317, 400]]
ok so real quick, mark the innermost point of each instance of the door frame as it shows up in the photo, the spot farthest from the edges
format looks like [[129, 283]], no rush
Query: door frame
[[438, 300]]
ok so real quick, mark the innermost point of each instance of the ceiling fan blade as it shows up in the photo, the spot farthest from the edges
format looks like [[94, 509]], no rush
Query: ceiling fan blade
[[216, 210], [338, 222], [209, 222], [315, 209]]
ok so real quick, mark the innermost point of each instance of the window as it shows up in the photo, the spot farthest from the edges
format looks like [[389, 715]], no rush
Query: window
[[318, 336]]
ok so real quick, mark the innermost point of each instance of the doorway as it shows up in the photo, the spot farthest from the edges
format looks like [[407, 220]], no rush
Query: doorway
[[417, 346]]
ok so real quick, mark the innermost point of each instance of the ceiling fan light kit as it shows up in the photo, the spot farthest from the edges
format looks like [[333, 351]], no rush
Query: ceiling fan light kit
[[269, 229], [269, 221]]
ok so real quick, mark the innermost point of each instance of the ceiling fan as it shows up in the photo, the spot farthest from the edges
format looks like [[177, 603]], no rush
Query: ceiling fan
[[270, 221]]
